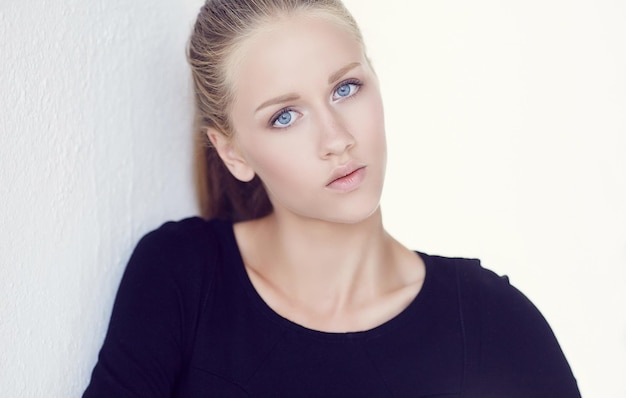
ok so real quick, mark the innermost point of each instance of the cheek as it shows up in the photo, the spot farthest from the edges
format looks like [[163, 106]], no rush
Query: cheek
[[274, 159], [371, 128]]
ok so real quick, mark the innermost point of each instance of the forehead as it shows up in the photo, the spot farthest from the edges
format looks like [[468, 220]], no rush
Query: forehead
[[285, 55]]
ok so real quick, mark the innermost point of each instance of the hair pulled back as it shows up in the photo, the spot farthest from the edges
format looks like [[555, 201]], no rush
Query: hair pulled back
[[221, 27]]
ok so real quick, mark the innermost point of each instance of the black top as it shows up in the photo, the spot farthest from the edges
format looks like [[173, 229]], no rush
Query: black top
[[187, 322]]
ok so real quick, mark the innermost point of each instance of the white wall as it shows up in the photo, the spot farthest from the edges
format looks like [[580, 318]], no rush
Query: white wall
[[95, 142], [507, 133]]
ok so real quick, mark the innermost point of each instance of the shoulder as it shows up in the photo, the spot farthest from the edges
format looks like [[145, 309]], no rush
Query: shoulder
[[183, 239], [510, 344], [178, 251], [484, 295], [470, 278], [169, 275], [163, 293], [185, 233]]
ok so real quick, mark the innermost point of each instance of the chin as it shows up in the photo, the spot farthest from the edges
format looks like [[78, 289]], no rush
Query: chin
[[354, 208], [353, 215]]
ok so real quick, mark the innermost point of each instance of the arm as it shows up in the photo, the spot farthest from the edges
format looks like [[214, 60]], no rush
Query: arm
[[520, 356], [153, 318]]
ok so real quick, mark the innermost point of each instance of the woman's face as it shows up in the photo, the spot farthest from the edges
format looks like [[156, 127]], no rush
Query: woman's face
[[308, 111]]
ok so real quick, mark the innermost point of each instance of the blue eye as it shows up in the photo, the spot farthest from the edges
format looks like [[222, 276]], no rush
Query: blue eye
[[346, 89], [283, 119]]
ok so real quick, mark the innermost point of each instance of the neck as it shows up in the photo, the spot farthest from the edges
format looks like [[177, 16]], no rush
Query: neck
[[325, 262]]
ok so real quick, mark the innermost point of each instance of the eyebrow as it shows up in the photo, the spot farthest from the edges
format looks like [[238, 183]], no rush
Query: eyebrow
[[278, 100], [293, 97], [337, 75]]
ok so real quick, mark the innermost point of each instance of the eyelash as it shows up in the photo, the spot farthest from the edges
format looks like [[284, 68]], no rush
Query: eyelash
[[276, 115], [355, 82]]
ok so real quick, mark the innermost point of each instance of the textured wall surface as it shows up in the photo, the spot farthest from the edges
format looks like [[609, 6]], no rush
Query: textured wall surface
[[507, 141], [95, 144]]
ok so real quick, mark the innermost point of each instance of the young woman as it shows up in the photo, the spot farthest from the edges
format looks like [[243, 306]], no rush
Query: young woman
[[293, 288]]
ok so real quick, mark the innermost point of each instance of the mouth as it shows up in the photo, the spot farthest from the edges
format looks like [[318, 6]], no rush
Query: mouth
[[347, 178]]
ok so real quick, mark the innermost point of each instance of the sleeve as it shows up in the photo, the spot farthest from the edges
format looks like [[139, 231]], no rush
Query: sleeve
[[519, 353], [153, 319]]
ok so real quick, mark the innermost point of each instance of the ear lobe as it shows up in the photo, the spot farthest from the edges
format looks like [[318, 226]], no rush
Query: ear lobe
[[228, 152]]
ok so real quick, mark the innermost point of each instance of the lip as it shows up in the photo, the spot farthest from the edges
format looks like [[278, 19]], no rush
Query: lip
[[346, 178]]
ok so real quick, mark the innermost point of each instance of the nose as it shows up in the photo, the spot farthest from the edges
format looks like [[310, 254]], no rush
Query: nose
[[335, 136]]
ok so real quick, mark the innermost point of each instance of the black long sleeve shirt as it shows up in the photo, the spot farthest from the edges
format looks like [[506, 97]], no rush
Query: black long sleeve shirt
[[187, 322]]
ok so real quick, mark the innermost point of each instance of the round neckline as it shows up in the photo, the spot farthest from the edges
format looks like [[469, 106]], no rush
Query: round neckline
[[394, 322]]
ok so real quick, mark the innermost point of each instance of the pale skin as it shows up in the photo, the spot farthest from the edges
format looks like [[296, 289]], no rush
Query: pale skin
[[322, 258]]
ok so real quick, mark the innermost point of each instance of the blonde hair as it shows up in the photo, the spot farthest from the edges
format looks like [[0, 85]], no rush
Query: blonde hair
[[221, 28]]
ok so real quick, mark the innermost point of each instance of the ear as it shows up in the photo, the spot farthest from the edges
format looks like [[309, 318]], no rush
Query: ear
[[230, 155]]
